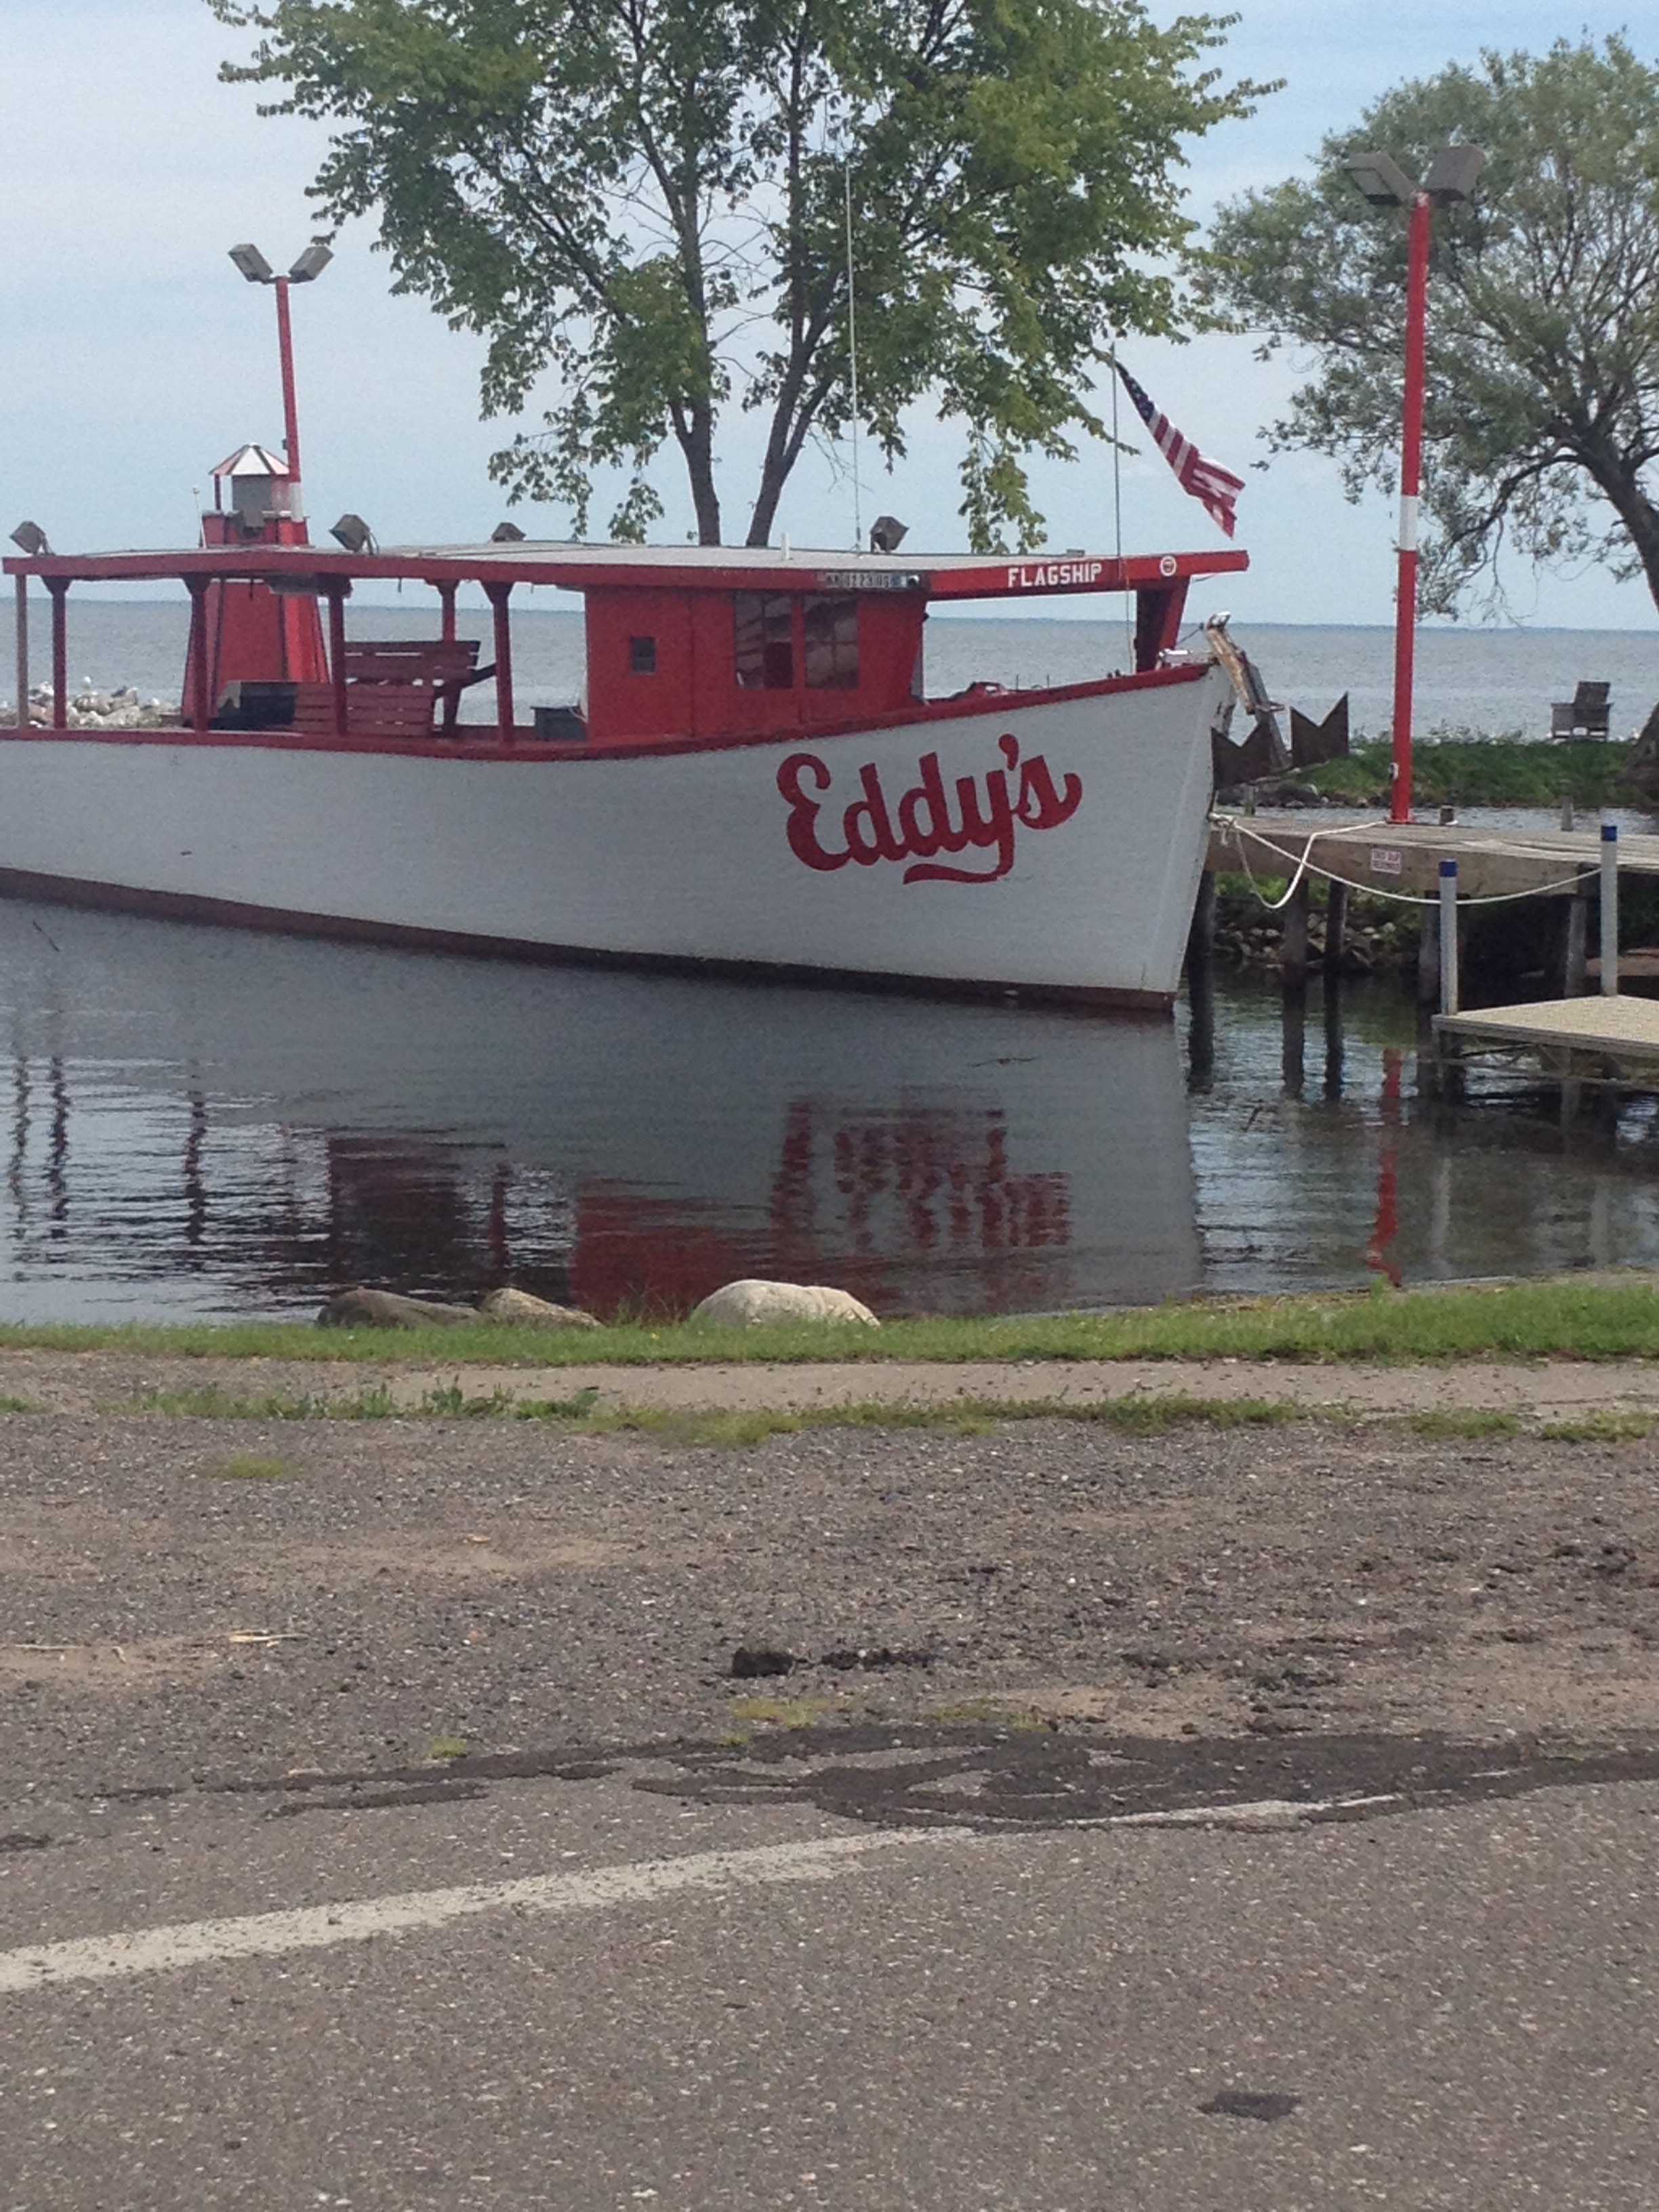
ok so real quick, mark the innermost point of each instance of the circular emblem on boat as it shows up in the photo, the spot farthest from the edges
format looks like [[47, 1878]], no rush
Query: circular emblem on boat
[[1166, 567]]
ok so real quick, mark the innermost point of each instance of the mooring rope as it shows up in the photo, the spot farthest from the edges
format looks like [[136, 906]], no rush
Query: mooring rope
[[1307, 866]]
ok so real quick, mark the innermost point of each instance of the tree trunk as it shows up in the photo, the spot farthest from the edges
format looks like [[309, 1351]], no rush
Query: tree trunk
[[772, 478], [695, 432], [1621, 484], [1643, 523]]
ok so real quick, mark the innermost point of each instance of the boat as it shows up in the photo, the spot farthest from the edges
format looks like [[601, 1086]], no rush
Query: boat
[[756, 783]]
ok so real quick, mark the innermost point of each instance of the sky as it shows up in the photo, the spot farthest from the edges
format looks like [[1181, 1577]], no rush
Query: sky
[[132, 356]]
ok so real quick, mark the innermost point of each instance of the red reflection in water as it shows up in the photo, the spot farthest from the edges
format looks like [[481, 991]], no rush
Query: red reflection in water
[[652, 1254], [1388, 1172], [859, 1200]]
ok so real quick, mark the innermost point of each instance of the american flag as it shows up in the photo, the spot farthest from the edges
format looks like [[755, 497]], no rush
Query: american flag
[[1208, 480]]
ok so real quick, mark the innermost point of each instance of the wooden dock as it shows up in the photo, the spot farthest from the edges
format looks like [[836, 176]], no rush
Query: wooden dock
[[1374, 855], [1619, 1031]]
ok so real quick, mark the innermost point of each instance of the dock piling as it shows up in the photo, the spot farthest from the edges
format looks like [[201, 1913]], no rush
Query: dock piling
[[1293, 1051], [1293, 949], [1200, 937], [1609, 910], [1575, 943], [1428, 956], [1447, 937], [1336, 929]]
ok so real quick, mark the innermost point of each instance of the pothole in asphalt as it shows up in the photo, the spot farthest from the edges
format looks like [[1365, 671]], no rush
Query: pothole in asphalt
[[756, 1662], [1251, 2104]]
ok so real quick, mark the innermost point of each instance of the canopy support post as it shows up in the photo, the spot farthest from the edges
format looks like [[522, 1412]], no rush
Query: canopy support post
[[337, 667], [198, 708], [447, 601], [499, 595], [59, 587], [23, 652]]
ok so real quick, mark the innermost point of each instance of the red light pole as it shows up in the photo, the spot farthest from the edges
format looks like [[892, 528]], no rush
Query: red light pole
[[1384, 184], [257, 271], [290, 406]]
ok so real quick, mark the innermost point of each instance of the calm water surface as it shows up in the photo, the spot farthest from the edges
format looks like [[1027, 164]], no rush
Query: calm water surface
[[1483, 680], [198, 1121]]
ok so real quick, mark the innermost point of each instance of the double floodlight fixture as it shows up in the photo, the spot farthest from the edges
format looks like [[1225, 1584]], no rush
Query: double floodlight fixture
[[355, 534], [1452, 175], [31, 539], [257, 271], [887, 533]]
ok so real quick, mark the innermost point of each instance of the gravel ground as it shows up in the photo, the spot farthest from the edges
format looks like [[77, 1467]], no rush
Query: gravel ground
[[194, 1598]]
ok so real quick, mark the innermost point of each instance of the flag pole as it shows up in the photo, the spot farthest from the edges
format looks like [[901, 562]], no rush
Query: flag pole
[[1117, 510]]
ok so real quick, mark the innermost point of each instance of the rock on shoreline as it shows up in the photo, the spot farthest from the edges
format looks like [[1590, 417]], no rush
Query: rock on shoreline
[[90, 708]]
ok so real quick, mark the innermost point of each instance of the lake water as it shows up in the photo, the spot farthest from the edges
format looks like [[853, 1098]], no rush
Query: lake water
[[215, 1123], [1493, 681], [210, 1122]]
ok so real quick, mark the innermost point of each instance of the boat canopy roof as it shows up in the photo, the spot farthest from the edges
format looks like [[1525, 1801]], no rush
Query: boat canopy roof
[[582, 568]]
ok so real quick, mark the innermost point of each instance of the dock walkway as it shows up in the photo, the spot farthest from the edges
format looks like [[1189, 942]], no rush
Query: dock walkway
[[1373, 855], [1621, 1030]]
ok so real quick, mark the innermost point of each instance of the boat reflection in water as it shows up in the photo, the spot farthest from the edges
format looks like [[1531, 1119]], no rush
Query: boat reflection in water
[[220, 1123]]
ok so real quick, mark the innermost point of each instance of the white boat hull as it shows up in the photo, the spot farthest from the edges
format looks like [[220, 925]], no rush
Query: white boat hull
[[1054, 847]]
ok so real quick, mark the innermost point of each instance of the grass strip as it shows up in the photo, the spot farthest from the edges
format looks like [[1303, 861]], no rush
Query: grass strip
[[1464, 770], [725, 1425], [1136, 1416], [1544, 1319]]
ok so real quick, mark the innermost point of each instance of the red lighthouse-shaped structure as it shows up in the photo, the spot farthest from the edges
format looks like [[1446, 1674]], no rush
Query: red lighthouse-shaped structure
[[244, 633], [248, 633]]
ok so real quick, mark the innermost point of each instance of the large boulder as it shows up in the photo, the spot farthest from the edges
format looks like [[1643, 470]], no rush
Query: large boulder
[[526, 1311], [364, 1309], [752, 1304]]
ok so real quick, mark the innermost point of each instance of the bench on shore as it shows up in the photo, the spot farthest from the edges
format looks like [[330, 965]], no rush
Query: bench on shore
[[395, 686], [1586, 714]]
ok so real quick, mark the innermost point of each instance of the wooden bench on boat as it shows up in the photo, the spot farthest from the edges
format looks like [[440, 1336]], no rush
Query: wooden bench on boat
[[394, 687]]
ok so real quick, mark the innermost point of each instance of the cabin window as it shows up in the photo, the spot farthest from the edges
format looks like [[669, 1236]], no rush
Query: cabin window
[[831, 643], [641, 656], [765, 641]]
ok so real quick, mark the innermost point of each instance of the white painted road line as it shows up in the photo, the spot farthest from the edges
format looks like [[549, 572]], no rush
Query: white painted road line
[[1256, 1816], [318, 1927]]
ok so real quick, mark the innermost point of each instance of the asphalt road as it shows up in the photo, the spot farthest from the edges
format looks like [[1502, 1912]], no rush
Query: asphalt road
[[1303, 1902]]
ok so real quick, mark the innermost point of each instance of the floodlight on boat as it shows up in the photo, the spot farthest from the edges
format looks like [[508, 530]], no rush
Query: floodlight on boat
[[1452, 174], [311, 263], [253, 264], [888, 533], [31, 538], [1381, 180], [507, 533], [354, 533]]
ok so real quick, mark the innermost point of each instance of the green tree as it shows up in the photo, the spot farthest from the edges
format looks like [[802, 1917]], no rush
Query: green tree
[[648, 200], [1542, 418]]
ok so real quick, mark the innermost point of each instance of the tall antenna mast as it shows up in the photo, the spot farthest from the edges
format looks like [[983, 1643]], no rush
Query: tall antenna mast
[[852, 354]]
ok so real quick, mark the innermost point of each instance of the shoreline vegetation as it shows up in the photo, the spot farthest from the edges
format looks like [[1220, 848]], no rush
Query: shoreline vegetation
[[1595, 1319], [1465, 769]]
